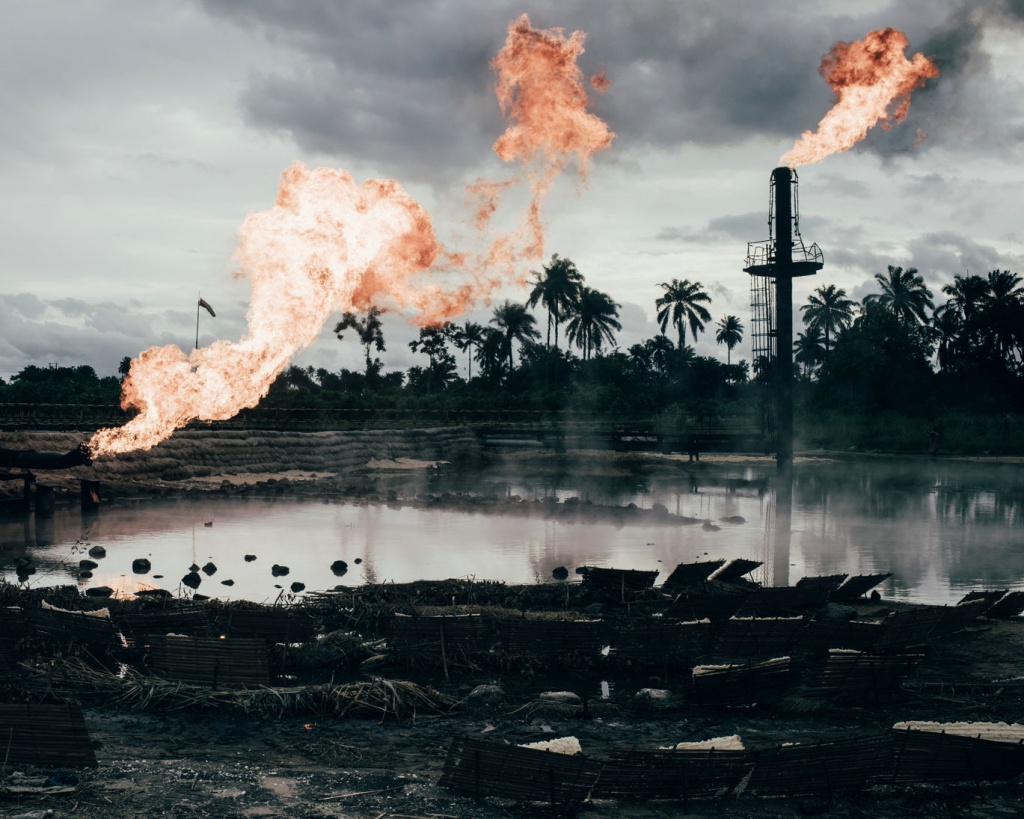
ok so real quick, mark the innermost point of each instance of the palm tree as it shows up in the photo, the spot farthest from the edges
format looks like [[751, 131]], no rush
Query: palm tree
[[661, 348], [904, 295], [595, 321], [640, 358], [490, 354], [370, 332], [515, 324], [730, 333], [967, 294], [681, 305], [948, 327], [1004, 311], [557, 289], [809, 349], [466, 337], [828, 311]]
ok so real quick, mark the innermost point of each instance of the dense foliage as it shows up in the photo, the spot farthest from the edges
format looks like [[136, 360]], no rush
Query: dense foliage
[[886, 373]]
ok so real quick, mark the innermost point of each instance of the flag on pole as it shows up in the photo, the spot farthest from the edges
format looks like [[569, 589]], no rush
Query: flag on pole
[[204, 303]]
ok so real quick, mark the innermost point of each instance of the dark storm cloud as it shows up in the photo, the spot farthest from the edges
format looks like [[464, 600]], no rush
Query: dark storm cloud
[[28, 305], [966, 106], [846, 186], [943, 254], [411, 84], [70, 331], [743, 226]]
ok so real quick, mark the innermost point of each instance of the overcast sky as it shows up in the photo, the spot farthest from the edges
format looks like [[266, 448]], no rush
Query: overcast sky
[[136, 137]]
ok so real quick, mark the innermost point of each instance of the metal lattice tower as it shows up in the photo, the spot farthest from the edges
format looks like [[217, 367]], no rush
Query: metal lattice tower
[[762, 336], [780, 258]]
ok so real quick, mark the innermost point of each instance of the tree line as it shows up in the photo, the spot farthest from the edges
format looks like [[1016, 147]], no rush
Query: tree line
[[556, 350], [899, 349], [906, 348]]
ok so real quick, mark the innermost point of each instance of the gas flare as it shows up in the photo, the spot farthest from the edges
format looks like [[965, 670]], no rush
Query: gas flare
[[331, 244], [868, 76]]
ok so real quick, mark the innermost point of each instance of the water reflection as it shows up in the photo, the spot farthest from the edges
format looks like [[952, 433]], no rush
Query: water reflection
[[941, 527]]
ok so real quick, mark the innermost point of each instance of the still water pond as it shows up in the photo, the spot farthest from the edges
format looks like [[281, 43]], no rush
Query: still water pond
[[942, 528]]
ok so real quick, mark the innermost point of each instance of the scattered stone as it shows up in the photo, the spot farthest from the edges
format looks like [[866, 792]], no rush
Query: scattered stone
[[85, 575], [141, 565], [710, 527], [157, 594], [250, 558], [296, 587], [87, 564], [97, 551], [659, 510], [279, 571], [489, 694], [158, 577], [339, 567], [560, 573], [358, 560], [193, 568], [192, 580], [733, 519], [200, 597], [567, 697], [99, 591], [210, 569], [228, 582], [653, 696]]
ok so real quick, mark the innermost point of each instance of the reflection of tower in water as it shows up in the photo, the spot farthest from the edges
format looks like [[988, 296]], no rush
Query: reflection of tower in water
[[778, 526]]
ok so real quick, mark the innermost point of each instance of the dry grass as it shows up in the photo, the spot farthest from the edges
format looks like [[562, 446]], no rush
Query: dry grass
[[372, 699]]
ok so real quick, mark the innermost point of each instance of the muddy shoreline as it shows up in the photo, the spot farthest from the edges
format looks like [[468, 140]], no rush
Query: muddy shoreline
[[199, 759], [225, 752]]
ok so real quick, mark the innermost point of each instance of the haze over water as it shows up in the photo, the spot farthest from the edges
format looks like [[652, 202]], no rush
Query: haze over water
[[942, 527]]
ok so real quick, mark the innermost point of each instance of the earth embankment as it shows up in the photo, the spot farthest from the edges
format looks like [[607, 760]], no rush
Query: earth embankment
[[195, 454]]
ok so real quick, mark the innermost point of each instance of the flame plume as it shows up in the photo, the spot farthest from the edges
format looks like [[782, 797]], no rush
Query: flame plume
[[330, 244], [868, 76]]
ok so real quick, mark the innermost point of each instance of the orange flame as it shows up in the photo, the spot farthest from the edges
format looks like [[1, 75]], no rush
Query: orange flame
[[868, 76], [330, 244]]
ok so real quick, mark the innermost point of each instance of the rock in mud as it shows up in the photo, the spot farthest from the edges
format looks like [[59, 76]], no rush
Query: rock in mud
[[733, 519], [486, 695], [279, 571], [88, 565], [567, 697], [339, 567], [193, 568], [560, 573], [192, 580], [99, 591], [228, 582], [210, 569], [296, 587], [97, 551], [652, 696], [85, 575], [250, 558], [141, 565]]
